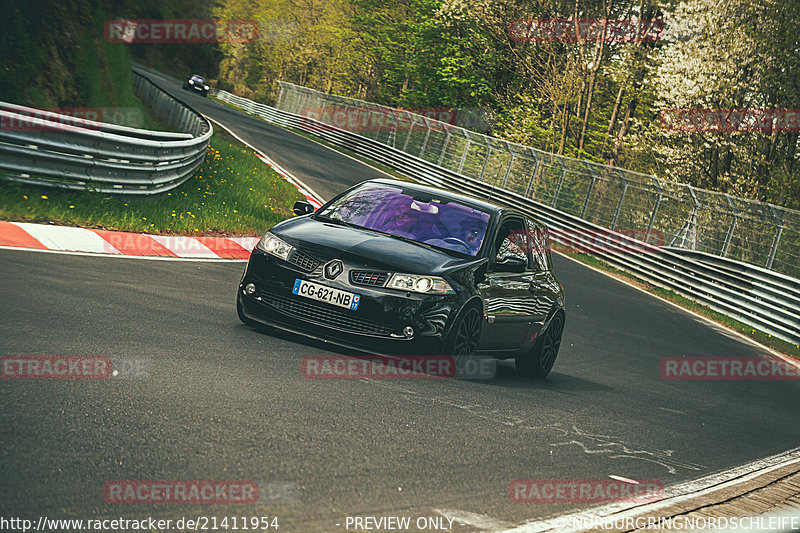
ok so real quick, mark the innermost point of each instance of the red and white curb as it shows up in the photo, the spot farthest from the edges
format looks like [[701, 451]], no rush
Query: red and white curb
[[63, 238], [121, 243]]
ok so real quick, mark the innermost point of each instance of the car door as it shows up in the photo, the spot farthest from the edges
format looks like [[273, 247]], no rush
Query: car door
[[509, 296]]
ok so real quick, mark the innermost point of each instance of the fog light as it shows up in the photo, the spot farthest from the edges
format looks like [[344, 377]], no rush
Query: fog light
[[250, 289], [408, 331]]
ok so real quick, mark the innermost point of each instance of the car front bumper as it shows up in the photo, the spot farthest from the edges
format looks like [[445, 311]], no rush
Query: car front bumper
[[376, 326]]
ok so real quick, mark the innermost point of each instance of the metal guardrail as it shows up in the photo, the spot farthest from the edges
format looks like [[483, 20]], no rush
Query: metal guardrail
[[758, 297], [684, 216], [45, 148]]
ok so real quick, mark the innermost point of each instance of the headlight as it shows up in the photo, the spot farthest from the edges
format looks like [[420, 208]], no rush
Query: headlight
[[421, 284], [191, 82], [274, 246], [205, 87]]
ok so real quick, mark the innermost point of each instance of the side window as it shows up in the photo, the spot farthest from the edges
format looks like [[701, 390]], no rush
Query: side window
[[511, 241], [540, 245]]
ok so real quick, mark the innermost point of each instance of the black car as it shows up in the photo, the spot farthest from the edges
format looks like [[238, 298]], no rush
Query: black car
[[396, 268], [196, 83]]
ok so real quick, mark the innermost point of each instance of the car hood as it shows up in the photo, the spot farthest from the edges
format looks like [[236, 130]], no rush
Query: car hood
[[327, 241]]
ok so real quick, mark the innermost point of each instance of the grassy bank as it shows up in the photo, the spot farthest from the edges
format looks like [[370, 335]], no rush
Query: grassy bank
[[234, 193]]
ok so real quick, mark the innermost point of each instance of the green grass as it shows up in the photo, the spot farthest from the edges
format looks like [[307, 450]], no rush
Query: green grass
[[759, 336], [234, 193]]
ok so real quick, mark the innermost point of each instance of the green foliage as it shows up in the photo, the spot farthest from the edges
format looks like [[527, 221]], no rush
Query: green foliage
[[595, 101]]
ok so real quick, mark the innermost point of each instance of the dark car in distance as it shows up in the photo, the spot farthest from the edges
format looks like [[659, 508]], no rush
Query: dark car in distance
[[396, 268], [196, 83]]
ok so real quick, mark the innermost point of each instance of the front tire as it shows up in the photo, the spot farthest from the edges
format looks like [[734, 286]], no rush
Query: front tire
[[539, 361], [465, 334]]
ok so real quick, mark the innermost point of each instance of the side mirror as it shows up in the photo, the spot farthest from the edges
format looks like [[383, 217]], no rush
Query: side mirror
[[302, 208], [512, 264]]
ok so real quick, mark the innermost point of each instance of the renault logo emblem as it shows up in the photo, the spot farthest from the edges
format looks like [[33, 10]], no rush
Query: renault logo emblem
[[333, 269]]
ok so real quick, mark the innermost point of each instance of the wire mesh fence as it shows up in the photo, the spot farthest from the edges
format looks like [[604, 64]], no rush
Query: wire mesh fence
[[665, 213]]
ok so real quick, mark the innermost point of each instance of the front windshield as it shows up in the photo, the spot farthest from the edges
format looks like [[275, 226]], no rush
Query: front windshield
[[411, 214]]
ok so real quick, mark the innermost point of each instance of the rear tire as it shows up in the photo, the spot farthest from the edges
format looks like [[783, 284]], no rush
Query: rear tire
[[539, 361]]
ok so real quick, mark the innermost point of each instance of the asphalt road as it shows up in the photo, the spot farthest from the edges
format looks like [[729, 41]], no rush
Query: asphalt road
[[219, 401], [309, 161]]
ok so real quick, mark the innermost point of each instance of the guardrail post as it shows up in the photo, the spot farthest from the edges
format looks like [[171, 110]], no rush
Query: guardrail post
[[560, 182], [380, 124], [483, 168], [655, 208], [533, 177], [280, 97], [777, 239], [425, 142], [508, 170], [322, 111], [464, 156], [408, 136], [621, 199], [588, 193], [297, 99], [729, 236], [444, 148], [391, 139]]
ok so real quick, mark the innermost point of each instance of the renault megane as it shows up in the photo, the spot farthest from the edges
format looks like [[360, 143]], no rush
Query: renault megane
[[396, 268]]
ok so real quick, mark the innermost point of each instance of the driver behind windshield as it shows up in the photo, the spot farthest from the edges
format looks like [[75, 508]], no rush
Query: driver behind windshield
[[471, 232], [401, 223]]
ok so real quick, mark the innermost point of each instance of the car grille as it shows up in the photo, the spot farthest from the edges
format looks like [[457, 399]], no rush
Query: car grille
[[304, 261], [363, 277], [323, 314]]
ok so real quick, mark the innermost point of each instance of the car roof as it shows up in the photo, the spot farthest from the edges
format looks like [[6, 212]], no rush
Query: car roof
[[467, 200]]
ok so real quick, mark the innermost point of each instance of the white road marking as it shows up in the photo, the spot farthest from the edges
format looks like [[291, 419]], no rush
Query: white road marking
[[674, 494], [624, 479]]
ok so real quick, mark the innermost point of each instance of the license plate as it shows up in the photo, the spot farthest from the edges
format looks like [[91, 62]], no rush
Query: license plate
[[323, 293]]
